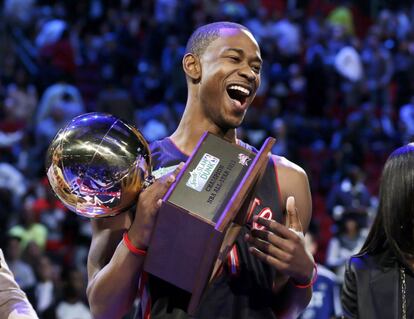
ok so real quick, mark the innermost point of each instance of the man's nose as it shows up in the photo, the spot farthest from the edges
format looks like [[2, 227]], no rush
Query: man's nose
[[248, 73]]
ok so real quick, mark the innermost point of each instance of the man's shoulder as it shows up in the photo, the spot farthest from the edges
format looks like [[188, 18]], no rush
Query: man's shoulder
[[288, 167], [283, 165], [293, 181]]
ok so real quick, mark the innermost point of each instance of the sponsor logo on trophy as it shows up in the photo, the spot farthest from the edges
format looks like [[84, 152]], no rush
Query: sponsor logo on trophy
[[201, 174]]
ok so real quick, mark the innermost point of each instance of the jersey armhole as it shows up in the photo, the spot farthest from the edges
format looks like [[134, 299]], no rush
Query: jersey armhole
[[279, 193]]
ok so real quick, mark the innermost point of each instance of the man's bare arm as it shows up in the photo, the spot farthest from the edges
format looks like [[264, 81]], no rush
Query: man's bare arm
[[294, 182], [283, 249], [113, 271]]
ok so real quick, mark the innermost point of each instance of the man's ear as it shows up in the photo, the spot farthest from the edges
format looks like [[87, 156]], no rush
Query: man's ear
[[192, 67]]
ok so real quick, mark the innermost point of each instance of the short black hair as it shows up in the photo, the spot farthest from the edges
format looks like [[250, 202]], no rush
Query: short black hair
[[204, 35]]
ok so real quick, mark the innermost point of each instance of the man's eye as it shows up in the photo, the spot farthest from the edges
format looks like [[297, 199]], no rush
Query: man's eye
[[234, 58], [256, 69]]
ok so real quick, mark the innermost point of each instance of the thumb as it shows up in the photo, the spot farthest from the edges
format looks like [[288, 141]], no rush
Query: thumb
[[292, 218]]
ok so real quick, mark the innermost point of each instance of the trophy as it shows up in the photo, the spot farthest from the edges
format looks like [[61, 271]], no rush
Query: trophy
[[98, 164], [202, 213]]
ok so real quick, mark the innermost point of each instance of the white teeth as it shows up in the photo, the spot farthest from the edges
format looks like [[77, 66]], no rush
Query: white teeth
[[240, 88]]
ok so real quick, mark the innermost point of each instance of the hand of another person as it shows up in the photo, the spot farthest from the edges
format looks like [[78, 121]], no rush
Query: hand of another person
[[149, 201], [282, 246]]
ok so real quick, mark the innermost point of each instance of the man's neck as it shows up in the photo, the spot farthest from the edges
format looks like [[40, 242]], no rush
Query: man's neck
[[191, 128]]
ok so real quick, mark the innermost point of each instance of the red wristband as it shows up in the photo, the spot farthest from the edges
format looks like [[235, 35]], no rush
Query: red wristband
[[314, 277], [131, 247]]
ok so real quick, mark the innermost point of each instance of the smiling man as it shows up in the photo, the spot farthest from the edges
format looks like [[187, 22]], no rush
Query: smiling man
[[269, 273]]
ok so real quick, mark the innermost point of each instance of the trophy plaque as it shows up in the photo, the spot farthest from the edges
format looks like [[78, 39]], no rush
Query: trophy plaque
[[210, 194]]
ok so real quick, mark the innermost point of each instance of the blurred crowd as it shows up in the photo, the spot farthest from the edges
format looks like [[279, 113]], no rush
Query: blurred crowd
[[337, 92]]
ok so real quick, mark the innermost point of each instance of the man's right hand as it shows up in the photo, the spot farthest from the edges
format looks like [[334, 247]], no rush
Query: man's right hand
[[149, 202]]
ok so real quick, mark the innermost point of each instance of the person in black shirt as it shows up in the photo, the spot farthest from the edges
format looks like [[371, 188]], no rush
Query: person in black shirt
[[379, 280], [222, 65]]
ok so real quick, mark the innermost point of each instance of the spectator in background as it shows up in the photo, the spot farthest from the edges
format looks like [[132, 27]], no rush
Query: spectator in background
[[60, 104], [55, 96], [259, 25], [279, 131], [344, 244], [287, 34], [49, 32], [333, 169], [316, 73], [52, 215], [23, 273], [45, 291], [57, 58], [29, 229], [350, 195], [348, 65], [378, 70], [21, 97], [19, 12], [11, 179], [165, 11], [73, 304], [171, 66], [342, 16], [297, 89], [11, 132], [147, 86], [24, 151]]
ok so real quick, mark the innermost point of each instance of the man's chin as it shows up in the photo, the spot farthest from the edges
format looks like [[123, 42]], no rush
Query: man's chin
[[231, 125]]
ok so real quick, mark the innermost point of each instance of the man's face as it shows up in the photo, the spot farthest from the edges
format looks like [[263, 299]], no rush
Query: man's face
[[230, 77]]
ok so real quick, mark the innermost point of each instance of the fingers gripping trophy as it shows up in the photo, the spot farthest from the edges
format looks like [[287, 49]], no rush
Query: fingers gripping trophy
[[97, 165]]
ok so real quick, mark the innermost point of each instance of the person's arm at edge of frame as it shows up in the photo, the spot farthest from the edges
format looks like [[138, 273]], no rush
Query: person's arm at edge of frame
[[113, 270], [13, 300]]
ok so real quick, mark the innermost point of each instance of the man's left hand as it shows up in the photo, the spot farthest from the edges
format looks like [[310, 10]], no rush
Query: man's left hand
[[282, 246]]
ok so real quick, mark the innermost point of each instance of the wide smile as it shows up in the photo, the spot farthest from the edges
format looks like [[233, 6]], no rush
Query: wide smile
[[239, 94]]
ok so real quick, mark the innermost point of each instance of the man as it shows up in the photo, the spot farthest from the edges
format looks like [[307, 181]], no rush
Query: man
[[222, 66], [13, 301]]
